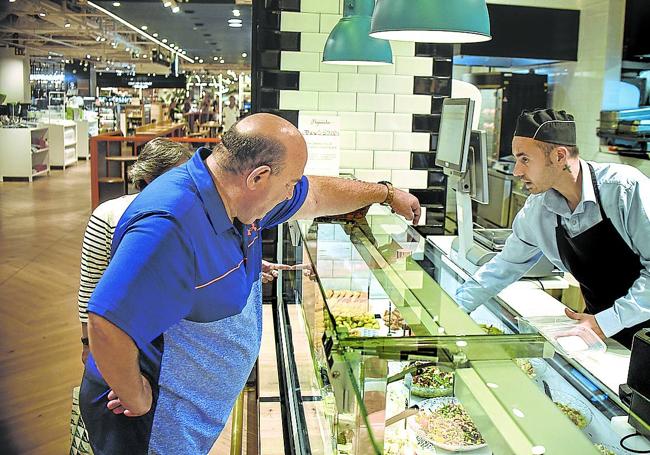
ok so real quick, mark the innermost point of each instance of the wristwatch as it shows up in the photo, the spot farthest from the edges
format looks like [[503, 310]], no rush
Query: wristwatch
[[84, 341], [391, 193]]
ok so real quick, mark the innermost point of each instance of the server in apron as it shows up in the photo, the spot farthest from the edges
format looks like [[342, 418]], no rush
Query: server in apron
[[589, 219]]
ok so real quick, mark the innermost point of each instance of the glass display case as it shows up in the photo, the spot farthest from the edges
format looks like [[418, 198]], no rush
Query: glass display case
[[395, 366]]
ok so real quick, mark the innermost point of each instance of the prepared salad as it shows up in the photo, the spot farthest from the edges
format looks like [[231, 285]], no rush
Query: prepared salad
[[449, 426]]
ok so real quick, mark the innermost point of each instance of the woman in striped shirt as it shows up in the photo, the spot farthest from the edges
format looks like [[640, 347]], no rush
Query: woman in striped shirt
[[158, 156]]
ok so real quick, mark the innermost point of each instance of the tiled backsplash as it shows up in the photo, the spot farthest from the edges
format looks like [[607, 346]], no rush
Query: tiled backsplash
[[388, 113]]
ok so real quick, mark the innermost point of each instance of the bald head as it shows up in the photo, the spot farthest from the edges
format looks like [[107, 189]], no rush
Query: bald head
[[260, 139]]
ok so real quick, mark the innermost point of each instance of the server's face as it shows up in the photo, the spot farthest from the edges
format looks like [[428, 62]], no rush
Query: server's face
[[533, 164]]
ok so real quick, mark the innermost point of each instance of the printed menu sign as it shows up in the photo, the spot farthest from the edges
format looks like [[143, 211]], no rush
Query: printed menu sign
[[322, 134]]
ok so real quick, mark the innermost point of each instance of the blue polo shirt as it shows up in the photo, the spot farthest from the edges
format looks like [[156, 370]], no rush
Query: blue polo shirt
[[183, 283]]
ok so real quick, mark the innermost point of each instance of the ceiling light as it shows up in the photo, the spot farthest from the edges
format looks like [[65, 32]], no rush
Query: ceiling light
[[144, 55], [184, 52], [127, 49], [167, 3], [103, 39], [144, 27], [215, 58], [155, 35], [222, 61], [244, 54], [132, 27], [12, 1], [116, 3], [164, 40], [235, 25], [175, 9], [236, 13], [349, 44], [233, 21], [49, 57], [97, 38], [67, 24], [431, 21], [87, 55], [42, 13], [200, 60], [99, 58]]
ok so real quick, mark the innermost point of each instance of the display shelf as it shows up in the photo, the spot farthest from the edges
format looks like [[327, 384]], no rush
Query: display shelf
[[63, 139], [363, 274], [16, 157]]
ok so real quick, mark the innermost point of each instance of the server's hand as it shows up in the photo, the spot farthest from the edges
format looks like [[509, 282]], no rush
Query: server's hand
[[587, 320], [270, 271]]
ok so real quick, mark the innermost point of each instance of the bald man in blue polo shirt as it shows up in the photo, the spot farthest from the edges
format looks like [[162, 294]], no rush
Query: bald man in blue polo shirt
[[173, 330]]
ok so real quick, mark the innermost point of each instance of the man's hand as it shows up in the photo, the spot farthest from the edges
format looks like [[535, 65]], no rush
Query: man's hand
[[140, 407], [270, 270], [586, 320], [407, 205]]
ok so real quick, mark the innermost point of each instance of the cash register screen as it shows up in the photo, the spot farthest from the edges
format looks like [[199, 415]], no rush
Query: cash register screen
[[453, 137]]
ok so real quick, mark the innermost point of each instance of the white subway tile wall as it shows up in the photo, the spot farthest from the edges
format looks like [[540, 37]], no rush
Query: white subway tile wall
[[320, 6], [394, 122], [327, 22], [375, 103], [356, 159], [410, 179], [312, 42], [357, 83], [299, 22], [329, 101], [374, 140], [316, 81], [357, 121], [299, 61], [371, 102], [388, 83], [301, 100], [388, 159]]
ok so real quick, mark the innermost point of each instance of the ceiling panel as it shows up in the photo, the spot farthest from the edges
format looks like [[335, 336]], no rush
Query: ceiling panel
[[200, 27]]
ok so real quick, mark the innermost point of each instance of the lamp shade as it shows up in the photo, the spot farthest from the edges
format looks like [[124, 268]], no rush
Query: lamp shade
[[431, 21], [349, 42]]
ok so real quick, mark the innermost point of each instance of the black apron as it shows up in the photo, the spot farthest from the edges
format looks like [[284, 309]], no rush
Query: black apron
[[604, 265]]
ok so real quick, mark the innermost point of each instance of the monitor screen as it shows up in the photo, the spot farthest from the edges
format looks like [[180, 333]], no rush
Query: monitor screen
[[453, 137]]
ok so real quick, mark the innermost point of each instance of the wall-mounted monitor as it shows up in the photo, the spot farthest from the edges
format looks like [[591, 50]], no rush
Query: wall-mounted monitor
[[454, 134]]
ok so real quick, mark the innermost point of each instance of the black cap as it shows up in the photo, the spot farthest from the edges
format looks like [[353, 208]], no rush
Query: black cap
[[547, 125]]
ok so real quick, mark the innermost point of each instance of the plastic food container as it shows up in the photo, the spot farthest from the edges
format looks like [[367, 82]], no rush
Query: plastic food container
[[567, 336]]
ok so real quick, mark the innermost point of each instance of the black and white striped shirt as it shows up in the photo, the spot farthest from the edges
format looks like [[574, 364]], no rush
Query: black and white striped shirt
[[96, 248]]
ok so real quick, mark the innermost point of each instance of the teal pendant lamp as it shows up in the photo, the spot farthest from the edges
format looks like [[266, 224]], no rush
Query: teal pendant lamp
[[349, 43], [431, 21]]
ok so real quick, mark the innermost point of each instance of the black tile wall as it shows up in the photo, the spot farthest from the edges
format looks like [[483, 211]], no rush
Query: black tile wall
[[270, 99], [432, 196], [432, 85], [436, 179], [423, 123], [443, 68], [436, 104], [280, 80], [269, 60], [434, 142], [434, 50], [423, 160], [273, 40], [267, 81]]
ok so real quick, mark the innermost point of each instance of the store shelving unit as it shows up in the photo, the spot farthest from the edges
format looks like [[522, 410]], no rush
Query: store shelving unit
[[83, 152], [24, 153], [131, 117], [63, 142]]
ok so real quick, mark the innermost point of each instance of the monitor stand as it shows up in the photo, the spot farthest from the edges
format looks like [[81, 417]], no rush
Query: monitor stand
[[467, 253]]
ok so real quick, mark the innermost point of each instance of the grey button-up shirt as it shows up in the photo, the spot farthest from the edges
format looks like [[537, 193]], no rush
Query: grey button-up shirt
[[625, 195]]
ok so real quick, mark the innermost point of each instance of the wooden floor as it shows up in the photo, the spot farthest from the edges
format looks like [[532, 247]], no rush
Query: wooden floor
[[41, 229]]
